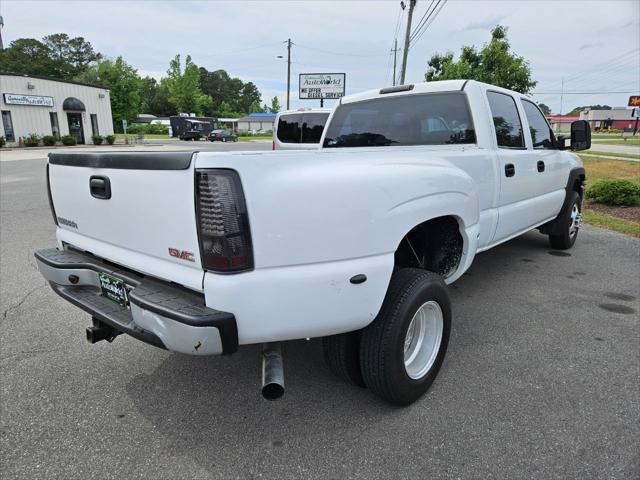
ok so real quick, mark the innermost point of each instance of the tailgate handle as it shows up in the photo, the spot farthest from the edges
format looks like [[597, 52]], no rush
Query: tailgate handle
[[100, 187]]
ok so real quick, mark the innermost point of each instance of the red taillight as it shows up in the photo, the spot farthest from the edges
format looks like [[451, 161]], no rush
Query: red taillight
[[273, 145], [223, 225]]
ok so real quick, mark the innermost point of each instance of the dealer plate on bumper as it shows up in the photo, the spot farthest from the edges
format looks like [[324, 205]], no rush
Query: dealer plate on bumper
[[114, 289]]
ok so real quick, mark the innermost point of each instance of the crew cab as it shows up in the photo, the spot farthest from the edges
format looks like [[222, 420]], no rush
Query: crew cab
[[201, 253]]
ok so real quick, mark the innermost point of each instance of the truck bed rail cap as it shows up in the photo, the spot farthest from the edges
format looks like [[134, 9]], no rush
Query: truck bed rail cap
[[125, 160]]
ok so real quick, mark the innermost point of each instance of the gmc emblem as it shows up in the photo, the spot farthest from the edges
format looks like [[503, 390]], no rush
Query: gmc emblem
[[181, 254]]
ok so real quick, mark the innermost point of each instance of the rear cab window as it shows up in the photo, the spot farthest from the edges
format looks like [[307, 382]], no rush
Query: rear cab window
[[418, 119]]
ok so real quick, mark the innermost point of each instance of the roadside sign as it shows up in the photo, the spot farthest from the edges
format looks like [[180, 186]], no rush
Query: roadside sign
[[318, 86], [635, 113], [124, 126], [634, 101]]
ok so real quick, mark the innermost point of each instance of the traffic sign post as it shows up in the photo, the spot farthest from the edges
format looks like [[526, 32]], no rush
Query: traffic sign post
[[634, 101]]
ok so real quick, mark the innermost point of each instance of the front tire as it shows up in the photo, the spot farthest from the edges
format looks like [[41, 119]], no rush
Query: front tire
[[402, 350], [570, 224]]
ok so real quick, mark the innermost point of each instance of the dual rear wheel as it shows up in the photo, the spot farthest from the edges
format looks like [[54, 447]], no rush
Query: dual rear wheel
[[400, 353]]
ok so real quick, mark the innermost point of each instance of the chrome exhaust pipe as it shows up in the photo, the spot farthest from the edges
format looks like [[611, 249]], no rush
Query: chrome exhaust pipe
[[272, 371]]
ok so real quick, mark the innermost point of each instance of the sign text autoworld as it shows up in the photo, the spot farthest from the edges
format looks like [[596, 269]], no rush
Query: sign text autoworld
[[33, 100], [321, 85]]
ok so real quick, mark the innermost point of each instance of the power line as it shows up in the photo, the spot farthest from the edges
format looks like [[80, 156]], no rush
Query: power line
[[343, 53], [430, 20], [422, 20], [598, 68]]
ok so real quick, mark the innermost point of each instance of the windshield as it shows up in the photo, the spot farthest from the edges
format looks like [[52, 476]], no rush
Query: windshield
[[426, 119]]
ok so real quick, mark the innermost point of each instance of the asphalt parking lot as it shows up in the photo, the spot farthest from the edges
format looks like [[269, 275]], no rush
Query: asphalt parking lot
[[541, 379]]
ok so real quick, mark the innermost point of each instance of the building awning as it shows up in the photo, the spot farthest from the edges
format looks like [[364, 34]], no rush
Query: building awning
[[72, 103]]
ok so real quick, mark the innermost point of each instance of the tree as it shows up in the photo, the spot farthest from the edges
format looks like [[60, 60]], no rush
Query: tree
[[69, 56], [255, 108], [222, 88], [275, 105], [544, 109], [265, 108], [55, 56], [184, 88], [494, 64], [249, 94], [124, 86], [577, 110]]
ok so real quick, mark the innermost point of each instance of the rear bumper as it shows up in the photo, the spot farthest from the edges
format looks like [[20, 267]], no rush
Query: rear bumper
[[159, 313]]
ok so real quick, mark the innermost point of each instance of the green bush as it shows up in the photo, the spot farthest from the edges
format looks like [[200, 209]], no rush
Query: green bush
[[49, 140], [111, 139], [148, 128], [68, 140], [97, 139], [615, 192], [32, 140], [3, 141]]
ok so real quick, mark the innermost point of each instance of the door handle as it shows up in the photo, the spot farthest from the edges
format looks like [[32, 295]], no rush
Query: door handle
[[541, 166], [509, 170], [100, 187]]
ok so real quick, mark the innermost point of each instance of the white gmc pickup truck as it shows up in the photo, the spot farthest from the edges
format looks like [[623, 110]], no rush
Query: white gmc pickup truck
[[200, 253]]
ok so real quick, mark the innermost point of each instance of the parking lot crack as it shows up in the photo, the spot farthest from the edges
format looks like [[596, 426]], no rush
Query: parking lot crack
[[16, 306]]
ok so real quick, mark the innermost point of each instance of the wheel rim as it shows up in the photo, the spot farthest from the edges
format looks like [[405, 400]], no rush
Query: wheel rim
[[575, 221], [422, 340]]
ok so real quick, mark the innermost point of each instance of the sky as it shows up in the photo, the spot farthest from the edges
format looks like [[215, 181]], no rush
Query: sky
[[593, 45]]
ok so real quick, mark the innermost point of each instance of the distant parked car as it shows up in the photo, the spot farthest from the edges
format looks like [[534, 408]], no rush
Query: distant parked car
[[222, 136]]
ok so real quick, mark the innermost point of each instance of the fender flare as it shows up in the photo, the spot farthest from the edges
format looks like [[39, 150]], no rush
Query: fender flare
[[576, 178]]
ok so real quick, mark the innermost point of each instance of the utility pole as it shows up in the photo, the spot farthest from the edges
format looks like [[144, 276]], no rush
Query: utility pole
[[561, 95], [1, 27], [405, 52], [395, 54], [288, 70]]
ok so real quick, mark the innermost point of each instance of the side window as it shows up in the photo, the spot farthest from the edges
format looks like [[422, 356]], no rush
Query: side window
[[289, 128], [506, 120], [538, 126]]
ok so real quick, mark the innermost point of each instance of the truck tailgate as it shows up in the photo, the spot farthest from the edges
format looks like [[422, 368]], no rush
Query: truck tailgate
[[126, 205]]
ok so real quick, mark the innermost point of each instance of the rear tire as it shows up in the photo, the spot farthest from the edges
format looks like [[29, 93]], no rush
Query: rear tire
[[399, 360], [342, 356], [570, 222]]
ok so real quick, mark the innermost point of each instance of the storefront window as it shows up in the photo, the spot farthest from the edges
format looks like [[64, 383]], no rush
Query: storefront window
[[94, 124], [55, 128], [7, 124]]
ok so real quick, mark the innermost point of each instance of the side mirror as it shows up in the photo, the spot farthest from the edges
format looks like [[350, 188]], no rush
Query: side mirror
[[580, 135], [563, 142]]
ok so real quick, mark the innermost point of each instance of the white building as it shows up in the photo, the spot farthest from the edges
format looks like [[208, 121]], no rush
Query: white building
[[46, 106], [256, 122]]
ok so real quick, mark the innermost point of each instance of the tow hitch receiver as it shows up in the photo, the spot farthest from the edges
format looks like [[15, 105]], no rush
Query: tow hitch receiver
[[101, 331]]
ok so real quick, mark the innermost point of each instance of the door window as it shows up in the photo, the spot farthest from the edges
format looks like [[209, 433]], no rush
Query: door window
[[7, 124], [55, 127], [506, 120], [94, 124], [538, 126]]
